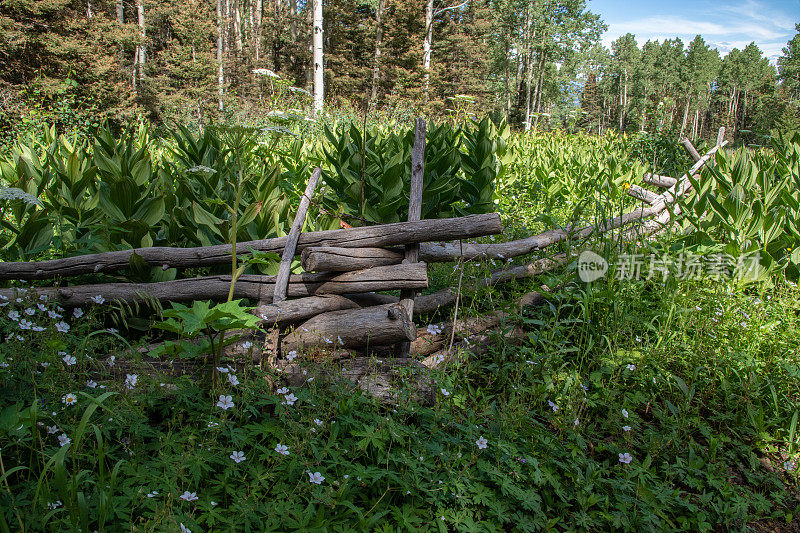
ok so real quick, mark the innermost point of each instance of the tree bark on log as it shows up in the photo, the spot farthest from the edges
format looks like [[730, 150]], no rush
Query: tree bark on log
[[687, 144], [337, 259], [248, 286], [380, 325], [640, 193], [289, 311], [285, 267], [399, 233], [659, 181], [414, 213]]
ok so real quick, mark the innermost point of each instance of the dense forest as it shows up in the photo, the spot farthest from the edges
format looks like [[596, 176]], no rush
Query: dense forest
[[538, 62]]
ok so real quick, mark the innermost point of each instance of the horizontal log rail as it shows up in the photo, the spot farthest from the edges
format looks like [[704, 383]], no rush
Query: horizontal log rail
[[247, 286], [399, 233]]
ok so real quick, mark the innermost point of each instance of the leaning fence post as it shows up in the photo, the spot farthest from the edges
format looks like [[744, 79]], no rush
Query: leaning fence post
[[285, 268], [414, 214]]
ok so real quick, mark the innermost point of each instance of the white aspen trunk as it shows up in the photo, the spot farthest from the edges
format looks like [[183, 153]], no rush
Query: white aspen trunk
[[257, 28], [529, 73], [623, 102], [220, 56], [685, 113], [537, 99], [237, 25], [319, 79], [376, 70], [141, 60], [88, 9], [120, 12], [426, 48]]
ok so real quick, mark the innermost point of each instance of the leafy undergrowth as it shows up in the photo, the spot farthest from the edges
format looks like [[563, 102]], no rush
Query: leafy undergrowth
[[635, 406]]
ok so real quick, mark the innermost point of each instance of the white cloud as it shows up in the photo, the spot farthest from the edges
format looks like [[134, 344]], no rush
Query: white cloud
[[723, 26]]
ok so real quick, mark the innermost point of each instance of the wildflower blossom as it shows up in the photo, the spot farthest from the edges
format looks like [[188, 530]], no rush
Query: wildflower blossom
[[13, 315], [246, 345], [98, 299], [289, 399], [62, 327], [282, 390], [626, 428], [445, 392], [233, 379], [317, 421], [152, 494], [185, 529], [44, 365], [213, 424], [222, 369], [481, 442], [112, 360], [130, 381], [52, 314], [69, 359], [625, 458], [63, 440], [631, 367], [77, 312], [225, 402], [52, 430], [54, 505], [553, 406], [238, 457], [37, 328], [3, 364], [30, 311], [291, 355], [316, 477], [281, 449], [189, 496], [91, 384], [625, 413], [789, 466], [575, 423], [25, 324], [69, 399]]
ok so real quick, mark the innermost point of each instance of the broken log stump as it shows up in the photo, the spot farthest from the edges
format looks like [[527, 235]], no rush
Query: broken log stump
[[380, 325]]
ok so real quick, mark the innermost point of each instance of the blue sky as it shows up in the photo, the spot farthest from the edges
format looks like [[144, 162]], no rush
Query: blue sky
[[724, 24]]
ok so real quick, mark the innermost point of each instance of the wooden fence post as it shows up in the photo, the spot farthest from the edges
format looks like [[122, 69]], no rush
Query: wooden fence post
[[285, 268], [414, 214]]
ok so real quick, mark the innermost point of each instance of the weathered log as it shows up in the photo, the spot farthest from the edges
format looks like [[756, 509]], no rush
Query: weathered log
[[414, 213], [440, 252], [248, 286], [353, 328], [399, 233], [428, 303], [289, 311], [643, 194], [338, 259], [285, 267], [689, 147], [659, 181], [473, 328]]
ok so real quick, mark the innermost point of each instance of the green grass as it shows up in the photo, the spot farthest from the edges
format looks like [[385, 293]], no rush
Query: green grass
[[711, 403], [708, 373]]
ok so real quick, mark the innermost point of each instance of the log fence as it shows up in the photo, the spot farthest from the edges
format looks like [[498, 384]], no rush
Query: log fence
[[334, 304]]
